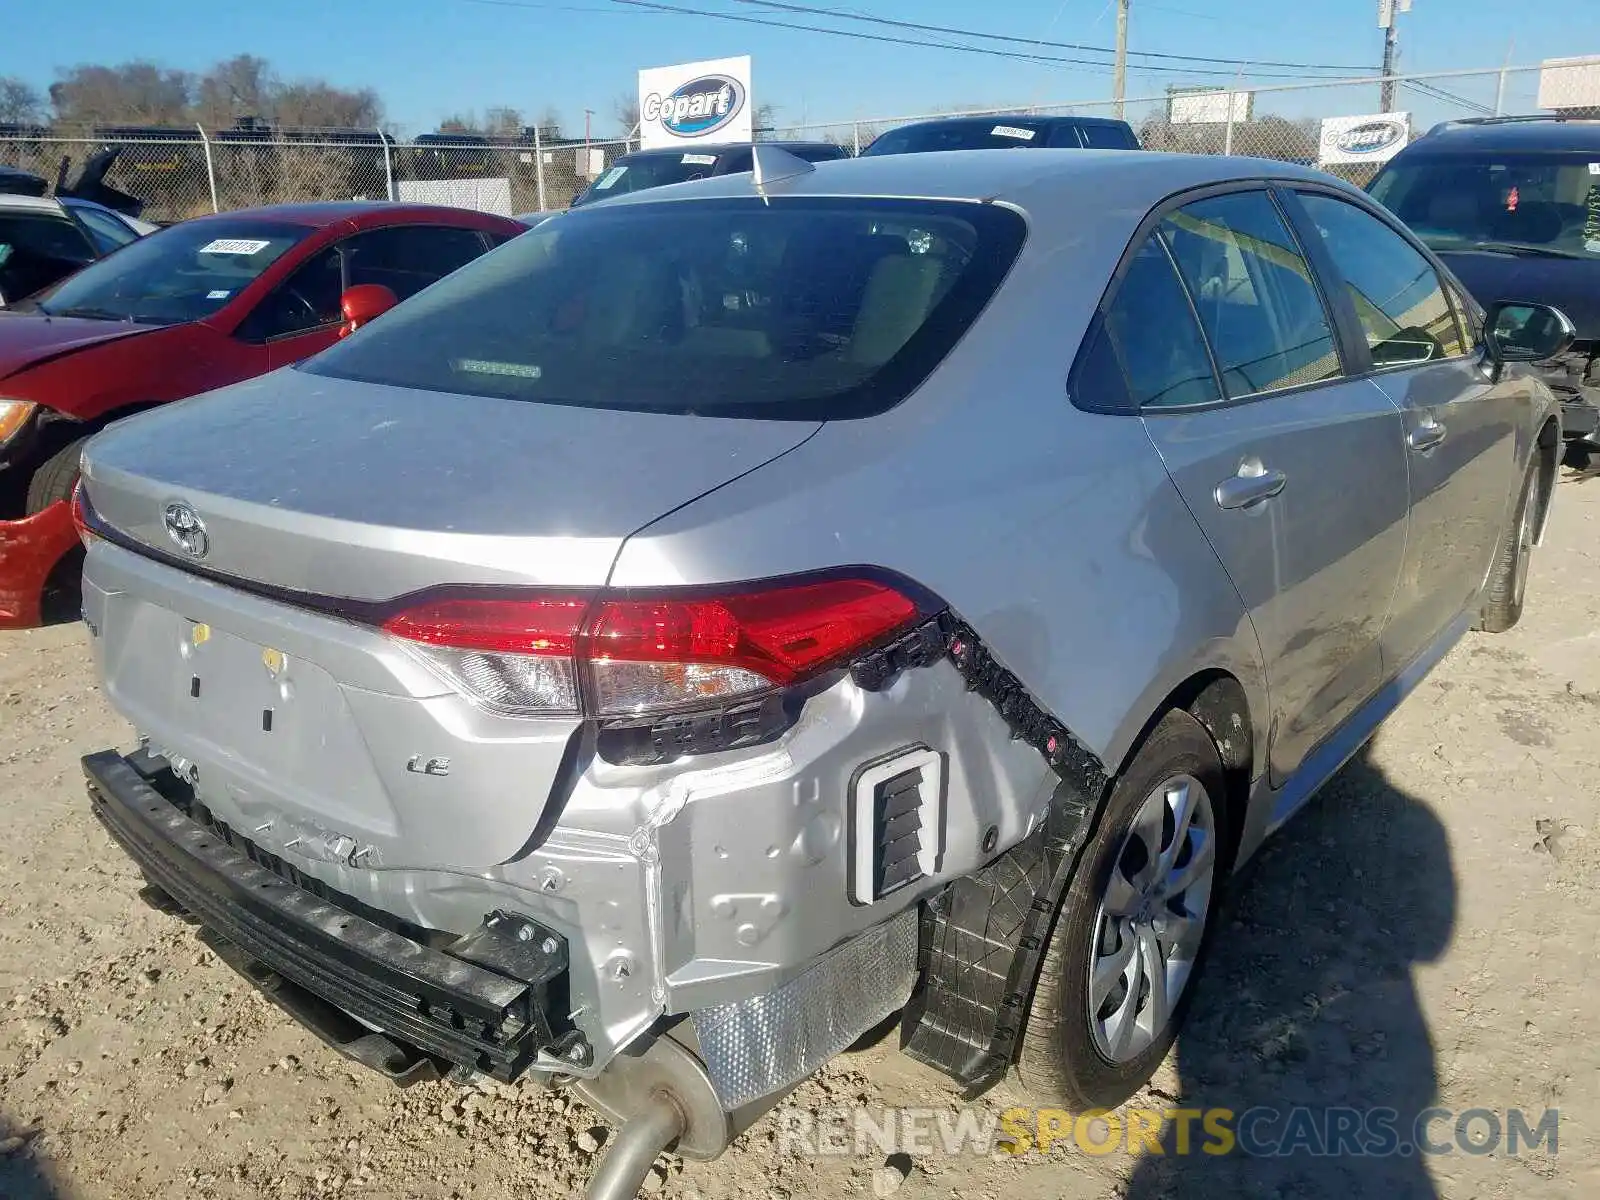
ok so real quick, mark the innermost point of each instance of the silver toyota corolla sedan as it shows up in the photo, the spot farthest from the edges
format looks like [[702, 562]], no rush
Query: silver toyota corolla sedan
[[726, 617]]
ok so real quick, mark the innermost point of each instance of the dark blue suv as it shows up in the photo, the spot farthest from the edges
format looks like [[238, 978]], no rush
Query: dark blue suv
[[1007, 131], [1512, 205]]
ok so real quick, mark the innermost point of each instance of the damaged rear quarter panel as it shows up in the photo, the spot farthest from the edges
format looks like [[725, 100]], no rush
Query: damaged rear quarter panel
[[1054, 533]]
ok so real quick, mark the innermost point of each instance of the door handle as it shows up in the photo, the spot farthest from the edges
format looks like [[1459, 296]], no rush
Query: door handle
[[1251, 485], [1426, 435]]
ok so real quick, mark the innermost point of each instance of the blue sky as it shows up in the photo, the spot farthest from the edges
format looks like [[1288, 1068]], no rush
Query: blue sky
[[428, 58]]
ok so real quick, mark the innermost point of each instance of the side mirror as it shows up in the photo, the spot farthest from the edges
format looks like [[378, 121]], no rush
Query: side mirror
[[1519, 331], [362, 303]]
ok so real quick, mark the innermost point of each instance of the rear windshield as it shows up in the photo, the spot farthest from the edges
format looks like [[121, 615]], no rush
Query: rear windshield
[[987, 135], [178, 274], [1532, 204], [797, 309]]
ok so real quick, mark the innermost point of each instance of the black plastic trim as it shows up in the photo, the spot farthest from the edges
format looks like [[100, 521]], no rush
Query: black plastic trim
[[440, 1003]]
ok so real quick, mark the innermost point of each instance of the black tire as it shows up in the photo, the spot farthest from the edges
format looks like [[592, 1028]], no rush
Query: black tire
[[1508, 578], [54, 480], [1059, 1061]]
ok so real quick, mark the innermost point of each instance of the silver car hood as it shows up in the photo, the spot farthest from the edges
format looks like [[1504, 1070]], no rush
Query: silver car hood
[[346, 489]]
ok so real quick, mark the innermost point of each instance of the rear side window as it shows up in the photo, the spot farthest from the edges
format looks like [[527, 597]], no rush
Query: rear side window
[[1147, 351], [407, 258], [1397, 295], [1254, 292], [1108, 137], [797, 309]]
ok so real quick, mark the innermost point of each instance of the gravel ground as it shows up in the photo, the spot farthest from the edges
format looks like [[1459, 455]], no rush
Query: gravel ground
[[1425, 932]]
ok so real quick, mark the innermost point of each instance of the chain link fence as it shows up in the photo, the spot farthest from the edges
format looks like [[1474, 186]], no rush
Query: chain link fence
[[1279, 122], [182, 174]]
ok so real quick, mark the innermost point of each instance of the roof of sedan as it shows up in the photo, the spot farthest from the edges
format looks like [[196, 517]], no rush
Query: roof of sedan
[[329, 212], [1099, 178], [32, 203]]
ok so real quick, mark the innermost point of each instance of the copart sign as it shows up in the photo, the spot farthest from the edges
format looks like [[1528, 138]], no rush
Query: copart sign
[[695, 102], [1375, 138]]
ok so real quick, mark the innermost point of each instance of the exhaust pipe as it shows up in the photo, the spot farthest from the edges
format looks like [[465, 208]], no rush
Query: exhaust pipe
[[657, 1124], [661, 1097]]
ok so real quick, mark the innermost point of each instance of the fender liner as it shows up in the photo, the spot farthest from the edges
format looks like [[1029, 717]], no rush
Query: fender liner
[[982, 938]]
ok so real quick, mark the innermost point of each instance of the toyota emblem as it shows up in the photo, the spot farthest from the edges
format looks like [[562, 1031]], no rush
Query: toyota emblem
[[186, 529]]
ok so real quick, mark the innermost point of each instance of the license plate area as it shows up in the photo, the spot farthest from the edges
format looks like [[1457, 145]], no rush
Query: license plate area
[[272, 730], [236, 689]]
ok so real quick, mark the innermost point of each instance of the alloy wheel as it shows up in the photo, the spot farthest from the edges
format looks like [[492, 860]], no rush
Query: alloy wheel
[[1151, 918]]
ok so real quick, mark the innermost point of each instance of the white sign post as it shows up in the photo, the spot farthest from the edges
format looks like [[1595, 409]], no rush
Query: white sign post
[[696, 102], [1374, 138]]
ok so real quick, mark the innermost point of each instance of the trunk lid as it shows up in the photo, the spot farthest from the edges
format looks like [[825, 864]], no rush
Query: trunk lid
[[366, 491], [326, 741]]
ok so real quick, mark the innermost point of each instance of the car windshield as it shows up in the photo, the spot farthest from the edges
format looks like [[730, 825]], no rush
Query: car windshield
[[965, 135], [797, 309], [654, 170], [179, 274], [1545, 205]]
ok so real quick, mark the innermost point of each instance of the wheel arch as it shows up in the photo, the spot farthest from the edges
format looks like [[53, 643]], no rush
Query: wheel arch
[[1220, 702], [63, 432], [1549, 449]]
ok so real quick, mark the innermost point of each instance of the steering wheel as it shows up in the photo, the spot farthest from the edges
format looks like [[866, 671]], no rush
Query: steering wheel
[[311, 309]]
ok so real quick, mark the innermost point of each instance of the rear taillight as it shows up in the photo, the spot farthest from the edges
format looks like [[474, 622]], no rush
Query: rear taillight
[[515, 655], [632, 654], [80, 515]]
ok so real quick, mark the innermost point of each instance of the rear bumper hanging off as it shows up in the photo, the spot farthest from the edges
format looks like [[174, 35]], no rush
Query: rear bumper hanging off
[[481, 1004]]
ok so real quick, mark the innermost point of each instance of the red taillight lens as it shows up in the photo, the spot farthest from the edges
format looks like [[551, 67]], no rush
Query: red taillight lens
[[542, 625], [647, 653], [80, 515]]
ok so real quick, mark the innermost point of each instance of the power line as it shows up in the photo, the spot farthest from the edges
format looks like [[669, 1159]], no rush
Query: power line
[[1014, 39], [1438, 93], [1096, 66]]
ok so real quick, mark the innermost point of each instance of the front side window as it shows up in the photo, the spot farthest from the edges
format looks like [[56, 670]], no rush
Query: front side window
[[1532, 205], [306, 301], [1254, 292], [1398, 299], [797, 309], [36, 249], [1147, 351], [182, 273]]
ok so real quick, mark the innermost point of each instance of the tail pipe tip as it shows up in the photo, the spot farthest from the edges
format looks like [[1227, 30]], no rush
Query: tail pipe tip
[[657, 1124]]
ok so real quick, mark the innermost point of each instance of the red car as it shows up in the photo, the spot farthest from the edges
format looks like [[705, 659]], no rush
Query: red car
[[194, 307]]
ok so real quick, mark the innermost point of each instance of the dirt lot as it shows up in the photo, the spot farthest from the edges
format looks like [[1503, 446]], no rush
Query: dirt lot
[[1426, 932]]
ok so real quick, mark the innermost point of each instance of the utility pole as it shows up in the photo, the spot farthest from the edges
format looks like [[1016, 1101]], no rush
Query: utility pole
[[1119, 70], [1387, 10]]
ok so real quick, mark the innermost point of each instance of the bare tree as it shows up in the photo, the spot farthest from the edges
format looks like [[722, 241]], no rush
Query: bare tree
[[134, 93], [20, 102], [550, 125], [626, 109], [242, 86], [502, 121], [460, 122], [315, 104]]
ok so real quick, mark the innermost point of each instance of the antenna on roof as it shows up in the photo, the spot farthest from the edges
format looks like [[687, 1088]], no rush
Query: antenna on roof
[[773, 164]]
